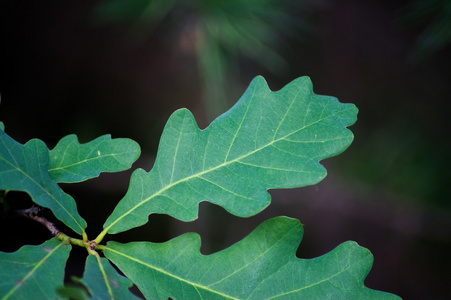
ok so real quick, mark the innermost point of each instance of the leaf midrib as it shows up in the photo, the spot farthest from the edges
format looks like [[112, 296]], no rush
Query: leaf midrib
[[105, 276], [87, 160]]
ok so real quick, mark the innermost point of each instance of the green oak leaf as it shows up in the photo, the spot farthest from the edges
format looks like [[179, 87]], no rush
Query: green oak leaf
[[103, 281], [2, 126], [33, 272], [25, 168], [71, 161], [267, 140], [261, 266]]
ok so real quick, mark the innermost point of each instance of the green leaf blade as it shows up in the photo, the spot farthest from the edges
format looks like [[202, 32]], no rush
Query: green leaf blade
[[267, 140], [71, 161], [103, 281], [261, 266], [25, 168], [338, 274], [34, 272]]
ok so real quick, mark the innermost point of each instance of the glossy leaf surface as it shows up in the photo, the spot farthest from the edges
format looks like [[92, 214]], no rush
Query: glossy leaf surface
[[261, 266], [267, 140], [25, 168], [71, 161], [103, 281], [33, 272]]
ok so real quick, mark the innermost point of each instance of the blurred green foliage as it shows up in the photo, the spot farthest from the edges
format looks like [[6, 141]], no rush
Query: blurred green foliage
[[434, 20], [219, 34]]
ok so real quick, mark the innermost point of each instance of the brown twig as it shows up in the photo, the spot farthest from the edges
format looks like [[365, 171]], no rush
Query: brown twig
[[32, 213]]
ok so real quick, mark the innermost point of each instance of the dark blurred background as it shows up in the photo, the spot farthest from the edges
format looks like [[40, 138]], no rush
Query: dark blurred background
[[122, 67]]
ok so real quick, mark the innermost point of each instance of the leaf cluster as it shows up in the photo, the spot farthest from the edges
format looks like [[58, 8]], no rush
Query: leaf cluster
[[267, 140]]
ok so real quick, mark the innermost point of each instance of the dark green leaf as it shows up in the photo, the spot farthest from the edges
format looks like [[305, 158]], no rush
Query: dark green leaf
[[25, 168], [33, 272]]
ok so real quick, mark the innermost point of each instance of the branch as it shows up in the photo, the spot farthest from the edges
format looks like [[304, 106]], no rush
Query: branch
[[32, 213]]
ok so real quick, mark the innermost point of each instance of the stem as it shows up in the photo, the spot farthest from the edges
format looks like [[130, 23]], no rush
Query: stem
[[67, 239], [85, 236], [100, 237], [101, 247], [33, 212]]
